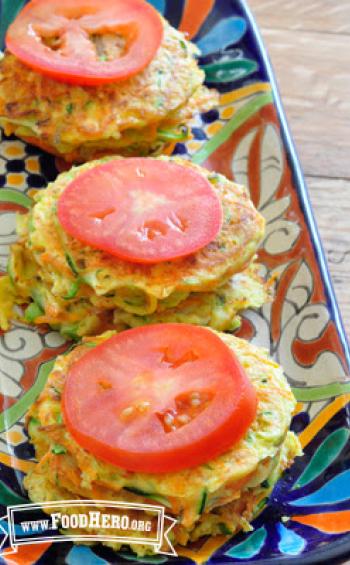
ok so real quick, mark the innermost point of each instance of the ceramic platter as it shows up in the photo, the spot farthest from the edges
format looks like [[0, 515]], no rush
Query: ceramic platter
[[247, 139]]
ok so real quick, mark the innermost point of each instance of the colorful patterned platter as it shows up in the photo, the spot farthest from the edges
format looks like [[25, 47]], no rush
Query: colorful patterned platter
[[246, 138]]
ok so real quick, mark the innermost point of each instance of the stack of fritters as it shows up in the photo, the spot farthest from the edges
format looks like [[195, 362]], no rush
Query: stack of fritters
[[219, 497], [84, 291], [137, 116]]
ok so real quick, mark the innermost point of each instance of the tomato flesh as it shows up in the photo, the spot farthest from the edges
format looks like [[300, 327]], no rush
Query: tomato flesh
[[141, 210], [64, 39], [158, 399]]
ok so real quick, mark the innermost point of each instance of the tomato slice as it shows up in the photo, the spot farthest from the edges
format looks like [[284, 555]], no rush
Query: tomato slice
[[86, 41], [141, 210], [158, 398]]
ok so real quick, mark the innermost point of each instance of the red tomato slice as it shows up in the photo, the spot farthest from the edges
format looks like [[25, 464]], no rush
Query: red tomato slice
[[158, 398], [64, 38], [141, 210]]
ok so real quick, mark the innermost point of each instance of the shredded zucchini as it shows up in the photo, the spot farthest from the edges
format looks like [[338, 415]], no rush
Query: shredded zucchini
[[73, 291], [8, 300], [162, 499], [202, 501], [32, 312]]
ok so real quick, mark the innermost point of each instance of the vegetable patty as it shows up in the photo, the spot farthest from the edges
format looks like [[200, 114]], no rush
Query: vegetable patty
[[138, 116], [83, 291], [223, 494]]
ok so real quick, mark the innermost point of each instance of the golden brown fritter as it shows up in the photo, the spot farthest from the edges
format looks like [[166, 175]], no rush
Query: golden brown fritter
[[132, 117], [73, 283], [234, 483]]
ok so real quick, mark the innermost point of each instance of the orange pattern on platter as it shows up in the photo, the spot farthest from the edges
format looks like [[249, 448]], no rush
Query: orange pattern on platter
[[246, 330], [27, 554], [308, 355], [194, 15], [302, 250], [278, 303], [30, 373], [12, 207], [322, 419], [329, 522], [15, 179]]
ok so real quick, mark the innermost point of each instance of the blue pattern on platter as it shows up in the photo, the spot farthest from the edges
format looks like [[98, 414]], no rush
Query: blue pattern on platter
[[232, 58]]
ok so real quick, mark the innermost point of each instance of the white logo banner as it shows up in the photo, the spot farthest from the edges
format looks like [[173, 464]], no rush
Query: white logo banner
[[86, 520]]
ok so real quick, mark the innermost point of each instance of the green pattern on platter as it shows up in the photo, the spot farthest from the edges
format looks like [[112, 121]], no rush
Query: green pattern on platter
[[312, 394], [9, 11], [8, 497], [249, 547], [17, 411], [260, 156], [239, 118], [324, 456], [229, 71], [15, 197]]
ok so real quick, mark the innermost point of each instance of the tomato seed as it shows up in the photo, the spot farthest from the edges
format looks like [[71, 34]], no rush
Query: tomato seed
[[143, 406], [184, 418], [127, 412], [196, 402], [169, 419]]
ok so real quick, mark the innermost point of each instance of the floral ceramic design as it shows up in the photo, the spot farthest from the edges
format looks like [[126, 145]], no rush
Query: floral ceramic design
[[307, 519]]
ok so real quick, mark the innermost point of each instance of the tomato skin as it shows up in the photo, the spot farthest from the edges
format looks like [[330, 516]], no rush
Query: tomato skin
[[74, 21], [149, 210], [141, 444]]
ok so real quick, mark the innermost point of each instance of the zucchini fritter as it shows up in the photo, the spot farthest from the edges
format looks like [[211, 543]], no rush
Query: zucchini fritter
[[137, 116], [83, 291], [233, 486]]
